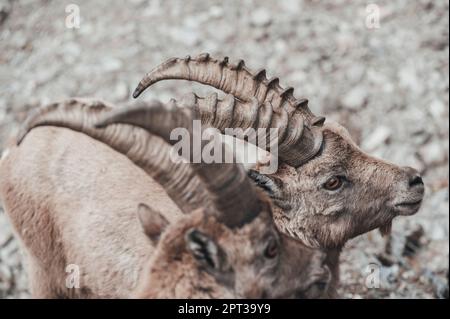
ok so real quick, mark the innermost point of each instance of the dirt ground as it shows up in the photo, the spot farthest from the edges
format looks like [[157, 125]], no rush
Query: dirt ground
[[388, 83]]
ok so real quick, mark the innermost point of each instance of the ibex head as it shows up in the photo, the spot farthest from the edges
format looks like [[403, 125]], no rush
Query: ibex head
[[341, 193], [327, 190]]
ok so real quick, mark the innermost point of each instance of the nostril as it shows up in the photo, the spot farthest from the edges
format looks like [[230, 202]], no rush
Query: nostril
[[415, 180], [413, 177]]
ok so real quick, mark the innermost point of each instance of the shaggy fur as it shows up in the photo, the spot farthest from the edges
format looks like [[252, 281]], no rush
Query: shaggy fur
[[373, 192], [78, 206]]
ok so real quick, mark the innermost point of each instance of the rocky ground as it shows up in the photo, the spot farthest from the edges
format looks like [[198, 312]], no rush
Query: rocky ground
[[389, 83]]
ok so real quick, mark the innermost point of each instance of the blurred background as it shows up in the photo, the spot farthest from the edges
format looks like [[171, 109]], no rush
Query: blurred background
[[380, 68]]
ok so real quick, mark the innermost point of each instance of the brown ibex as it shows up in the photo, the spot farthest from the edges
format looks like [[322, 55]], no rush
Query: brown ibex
[[327, 190], [73, 200]]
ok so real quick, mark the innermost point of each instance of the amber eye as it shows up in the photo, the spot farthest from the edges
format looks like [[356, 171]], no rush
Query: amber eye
[[271, 250], [333, 183]]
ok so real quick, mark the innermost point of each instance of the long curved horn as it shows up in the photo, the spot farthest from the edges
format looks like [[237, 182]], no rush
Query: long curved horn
[[233, 194], [253, 101], [235, 79], [81, 115], [297, 142], [222, 189]]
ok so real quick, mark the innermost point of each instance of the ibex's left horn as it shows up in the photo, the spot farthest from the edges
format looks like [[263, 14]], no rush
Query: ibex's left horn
[[145, 150], [232, 193]]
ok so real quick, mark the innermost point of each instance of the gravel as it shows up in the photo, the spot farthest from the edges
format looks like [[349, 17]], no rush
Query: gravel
[[389, 85]]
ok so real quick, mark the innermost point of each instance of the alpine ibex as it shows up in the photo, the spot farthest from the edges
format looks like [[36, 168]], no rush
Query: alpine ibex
[[78, 206], [327, 190]]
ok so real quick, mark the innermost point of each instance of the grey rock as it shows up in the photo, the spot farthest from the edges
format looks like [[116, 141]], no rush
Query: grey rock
[[410, 80], [355, 98], [188, 36], [5, 10], [434, 153], [261, 17], [121, 92], [6, 277], [19, 40], [437, 108], [111, 64], [216, 11], [377, 138], [5, 230]]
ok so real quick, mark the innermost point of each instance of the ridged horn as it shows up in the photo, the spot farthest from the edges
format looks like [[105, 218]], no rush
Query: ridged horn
[[222, 189], [258, 103], [232, 193], [235, 79], [178, 179], [297, 142]]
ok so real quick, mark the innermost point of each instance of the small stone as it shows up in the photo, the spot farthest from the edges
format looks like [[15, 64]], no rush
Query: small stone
[[291, 7], [377, 138], [355, 73], [410, 80], [189, 36], [19, 40], [70, 52], [5, 10], [121, 91], [5, 230], [216, 12], [437, 108], [111, 64], [3, 115], [355, 98], [224, 31], [153, 9], [390, 274], [3, 103], [261, 17], [433, 153], [6, 276]]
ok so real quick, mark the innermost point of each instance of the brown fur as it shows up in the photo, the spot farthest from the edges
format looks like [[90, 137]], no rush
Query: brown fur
[[366, 201], [78, 206]]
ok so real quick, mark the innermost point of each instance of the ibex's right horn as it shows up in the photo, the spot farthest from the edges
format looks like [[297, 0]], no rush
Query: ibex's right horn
[[259, 103], [297, 142], [235, 79]]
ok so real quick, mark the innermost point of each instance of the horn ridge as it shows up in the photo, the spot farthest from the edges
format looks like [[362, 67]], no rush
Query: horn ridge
[[215, 72]]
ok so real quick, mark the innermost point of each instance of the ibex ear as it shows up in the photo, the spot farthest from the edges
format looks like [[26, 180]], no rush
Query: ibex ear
[[272, 185], [152, 222], [205, 250]]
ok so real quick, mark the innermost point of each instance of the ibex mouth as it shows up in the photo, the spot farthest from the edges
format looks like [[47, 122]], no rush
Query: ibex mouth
[[408, 208]]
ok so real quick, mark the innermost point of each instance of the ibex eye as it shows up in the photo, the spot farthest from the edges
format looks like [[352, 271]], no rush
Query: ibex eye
[[333, 183], [271, 250]]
